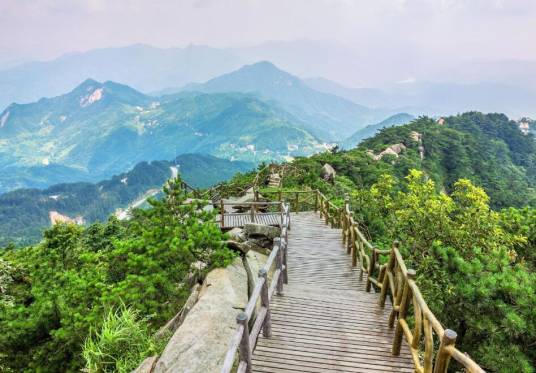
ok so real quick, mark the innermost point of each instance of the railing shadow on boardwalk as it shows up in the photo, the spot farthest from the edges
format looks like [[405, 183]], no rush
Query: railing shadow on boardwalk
[[410, 316]]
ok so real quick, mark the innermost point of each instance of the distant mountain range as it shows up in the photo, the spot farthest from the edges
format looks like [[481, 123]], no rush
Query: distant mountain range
[[101, 129], [438, 98], [438, 89], [25, 213]]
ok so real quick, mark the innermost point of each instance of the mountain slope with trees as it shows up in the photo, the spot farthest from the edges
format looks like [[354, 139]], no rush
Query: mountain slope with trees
[[371, 130], [102, 129], [328, 116], [25, 213]]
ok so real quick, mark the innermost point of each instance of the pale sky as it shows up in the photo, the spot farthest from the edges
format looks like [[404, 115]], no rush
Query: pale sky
[[494, 29]]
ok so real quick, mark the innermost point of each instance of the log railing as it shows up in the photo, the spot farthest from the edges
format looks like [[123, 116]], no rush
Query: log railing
[[395, 280], [248, 330]]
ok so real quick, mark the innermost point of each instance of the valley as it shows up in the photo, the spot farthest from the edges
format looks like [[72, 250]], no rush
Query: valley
[[26, 213]]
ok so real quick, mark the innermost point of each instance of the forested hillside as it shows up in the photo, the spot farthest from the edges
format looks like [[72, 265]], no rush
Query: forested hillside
[[371, 130], [26, 213], [486, 149]]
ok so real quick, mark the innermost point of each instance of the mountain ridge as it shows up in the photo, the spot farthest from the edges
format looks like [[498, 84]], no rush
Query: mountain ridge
[[100, 129], [329, 116]]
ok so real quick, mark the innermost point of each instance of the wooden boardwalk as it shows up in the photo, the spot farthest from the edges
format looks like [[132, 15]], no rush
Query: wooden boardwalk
[[237, 220], [325, 321]]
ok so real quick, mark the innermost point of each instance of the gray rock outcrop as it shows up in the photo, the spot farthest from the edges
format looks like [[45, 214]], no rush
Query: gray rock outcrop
[[328, 172], [199, 345], [395, 150], [255, 231]]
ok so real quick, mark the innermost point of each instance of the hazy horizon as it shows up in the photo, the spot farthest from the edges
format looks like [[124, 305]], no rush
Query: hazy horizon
[[405, 39]]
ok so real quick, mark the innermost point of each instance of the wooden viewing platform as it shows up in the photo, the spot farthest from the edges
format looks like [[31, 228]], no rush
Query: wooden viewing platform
[[230, 218], [324, 303]]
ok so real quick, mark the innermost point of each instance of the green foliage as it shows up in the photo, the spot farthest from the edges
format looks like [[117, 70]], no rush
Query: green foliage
[[122, 341], [68, 282], [467, 266]]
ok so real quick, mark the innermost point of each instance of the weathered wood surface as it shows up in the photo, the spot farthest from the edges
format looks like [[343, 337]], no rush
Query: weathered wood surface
[[237, 220], [325, 321]]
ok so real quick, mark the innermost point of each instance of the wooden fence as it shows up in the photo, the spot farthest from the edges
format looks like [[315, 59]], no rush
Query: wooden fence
[[244, 339], [396, 280], [393, 279]]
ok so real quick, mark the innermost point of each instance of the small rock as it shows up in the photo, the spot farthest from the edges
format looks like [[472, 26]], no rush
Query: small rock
[[261, 243]]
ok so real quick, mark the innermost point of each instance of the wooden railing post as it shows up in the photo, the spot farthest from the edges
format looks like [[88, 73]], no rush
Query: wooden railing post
[[353, 245], [245, 349], [222, 213], [279, 265], [284, 247], [252, 212], [443, 357], [360, 249], [326, 211], [316, 200], [296, 206], [406, 296], [388, 269], [373, 258], [280, 195], [265, 302], [348, 233]]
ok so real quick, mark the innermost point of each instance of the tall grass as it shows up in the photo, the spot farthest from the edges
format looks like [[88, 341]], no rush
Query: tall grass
[[121, 343]]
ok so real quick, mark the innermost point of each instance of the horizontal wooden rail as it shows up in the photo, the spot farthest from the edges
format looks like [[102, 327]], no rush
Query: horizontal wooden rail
[[395, 280], [256, 203], [244, 339]]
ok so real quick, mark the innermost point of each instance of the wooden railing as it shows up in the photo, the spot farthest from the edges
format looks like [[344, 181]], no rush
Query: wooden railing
[[244, 339], [395, 280], [299, 200]]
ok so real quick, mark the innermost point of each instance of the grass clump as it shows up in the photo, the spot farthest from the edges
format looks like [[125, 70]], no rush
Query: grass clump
[[121, 343]]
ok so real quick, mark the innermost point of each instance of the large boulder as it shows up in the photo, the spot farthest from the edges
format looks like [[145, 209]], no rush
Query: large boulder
[[172, 325], [328, 172], [199, 345], [255, 231]]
